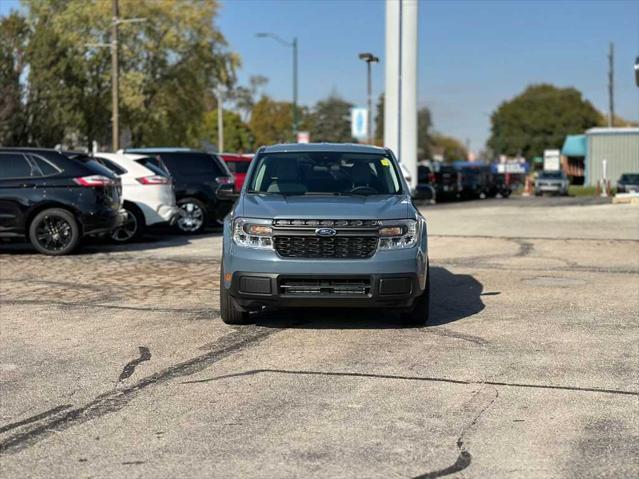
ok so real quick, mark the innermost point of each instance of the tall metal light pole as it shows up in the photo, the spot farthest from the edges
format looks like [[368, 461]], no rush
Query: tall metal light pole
[[369, 58], [293, 45]]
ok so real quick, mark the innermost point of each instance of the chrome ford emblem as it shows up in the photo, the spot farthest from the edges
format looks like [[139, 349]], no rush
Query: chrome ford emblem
[[325, 232]]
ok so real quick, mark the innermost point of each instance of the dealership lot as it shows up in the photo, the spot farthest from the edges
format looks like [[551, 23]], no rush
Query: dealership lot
[[114, 361]]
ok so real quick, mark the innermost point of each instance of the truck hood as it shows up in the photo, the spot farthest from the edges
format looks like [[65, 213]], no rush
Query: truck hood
[[383, 207]]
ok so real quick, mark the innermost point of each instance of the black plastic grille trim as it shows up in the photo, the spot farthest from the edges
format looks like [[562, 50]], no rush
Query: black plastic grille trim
[[325, 287], [359, 247]]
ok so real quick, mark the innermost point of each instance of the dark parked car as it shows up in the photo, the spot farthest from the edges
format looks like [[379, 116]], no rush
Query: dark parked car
[[445, 179], [628, 183], [200, 180], [53, 200], [474, 180]]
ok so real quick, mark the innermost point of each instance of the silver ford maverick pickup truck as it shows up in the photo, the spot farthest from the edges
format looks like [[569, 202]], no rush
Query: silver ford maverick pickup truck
[[324, 225]]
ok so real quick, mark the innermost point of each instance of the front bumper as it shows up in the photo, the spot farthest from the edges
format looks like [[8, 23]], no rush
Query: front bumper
[[255, 290]]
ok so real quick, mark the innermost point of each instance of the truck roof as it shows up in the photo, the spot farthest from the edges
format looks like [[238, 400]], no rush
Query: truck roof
[[337, 147]]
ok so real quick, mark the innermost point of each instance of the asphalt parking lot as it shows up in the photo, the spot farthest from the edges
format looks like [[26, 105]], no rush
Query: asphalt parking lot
[[114, 362]]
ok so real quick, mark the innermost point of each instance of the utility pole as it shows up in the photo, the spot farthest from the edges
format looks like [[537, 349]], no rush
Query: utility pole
[[115, 70], [115, 100], [369, 58], [611, 85]]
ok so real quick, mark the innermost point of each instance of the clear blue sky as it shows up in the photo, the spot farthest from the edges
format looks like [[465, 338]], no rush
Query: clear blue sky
[[473, 54]]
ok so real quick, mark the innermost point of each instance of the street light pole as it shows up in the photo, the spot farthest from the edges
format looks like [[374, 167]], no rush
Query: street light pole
[[369, 58], [293, 45], [115, 100], [295, 118]]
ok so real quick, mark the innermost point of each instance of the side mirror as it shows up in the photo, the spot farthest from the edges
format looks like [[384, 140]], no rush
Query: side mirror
[[226, 193]]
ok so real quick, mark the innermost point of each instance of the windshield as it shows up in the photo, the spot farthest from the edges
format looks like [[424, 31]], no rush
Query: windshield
[[552, 174], [305, 173]]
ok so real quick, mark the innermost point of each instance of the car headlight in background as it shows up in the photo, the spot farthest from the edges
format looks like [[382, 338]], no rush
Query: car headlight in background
[[398, 234], [253, 233]]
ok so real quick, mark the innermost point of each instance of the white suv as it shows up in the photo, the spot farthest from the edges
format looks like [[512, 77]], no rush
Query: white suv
[[147, 189]]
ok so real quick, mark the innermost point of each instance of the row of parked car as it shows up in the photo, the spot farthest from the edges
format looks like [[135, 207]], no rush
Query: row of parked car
[[54, 198], [443, 181]]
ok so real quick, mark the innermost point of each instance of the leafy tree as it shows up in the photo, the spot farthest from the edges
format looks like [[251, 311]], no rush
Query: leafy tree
[[540, 118], [238, 137], [450, 148], [424, 141], [379, 121], [169, 65], [14, 34], [330, 120], [271, 121], [245, 97]]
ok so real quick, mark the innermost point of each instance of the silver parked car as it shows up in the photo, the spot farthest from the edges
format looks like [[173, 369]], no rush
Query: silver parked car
[[324, 225], [551, 182]]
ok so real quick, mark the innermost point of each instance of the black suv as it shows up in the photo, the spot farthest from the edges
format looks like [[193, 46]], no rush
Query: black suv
[[201, 180], [53, 200]]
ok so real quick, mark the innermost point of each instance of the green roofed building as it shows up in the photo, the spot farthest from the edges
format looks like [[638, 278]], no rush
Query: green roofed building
[[574, 155]]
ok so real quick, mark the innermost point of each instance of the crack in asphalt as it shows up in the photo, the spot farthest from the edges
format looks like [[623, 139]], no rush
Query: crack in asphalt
[[116, 399], [35, 418], [129, 368], [464, 458], [451, 334], [535, 238], [196, 311], [253, 372]]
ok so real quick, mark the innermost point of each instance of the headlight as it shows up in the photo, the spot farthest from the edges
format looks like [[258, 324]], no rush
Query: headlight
[[398, 234], [253, 233]]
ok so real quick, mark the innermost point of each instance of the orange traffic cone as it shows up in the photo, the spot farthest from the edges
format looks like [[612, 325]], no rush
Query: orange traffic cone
[[527, 187]]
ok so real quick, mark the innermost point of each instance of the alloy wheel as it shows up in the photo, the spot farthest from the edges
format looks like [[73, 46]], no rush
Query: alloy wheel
[[192, 219], [53, 233]]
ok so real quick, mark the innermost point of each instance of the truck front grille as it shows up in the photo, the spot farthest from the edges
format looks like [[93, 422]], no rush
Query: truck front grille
[[359, 247]]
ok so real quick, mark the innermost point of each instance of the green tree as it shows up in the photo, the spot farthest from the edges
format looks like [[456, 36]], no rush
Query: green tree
[[271, 121], [538, 119], [424, 140], [245, 96], [448, 147], [169, 65], [379, 121], [330, 120], [238, 137], [14, 34]]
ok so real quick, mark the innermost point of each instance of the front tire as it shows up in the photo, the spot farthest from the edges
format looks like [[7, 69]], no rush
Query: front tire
[[54, 232], [194, 217], [420, 313], [229, 312]]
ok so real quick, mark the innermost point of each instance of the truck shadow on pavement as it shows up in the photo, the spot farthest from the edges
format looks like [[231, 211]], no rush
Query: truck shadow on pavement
[[453, 298]]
